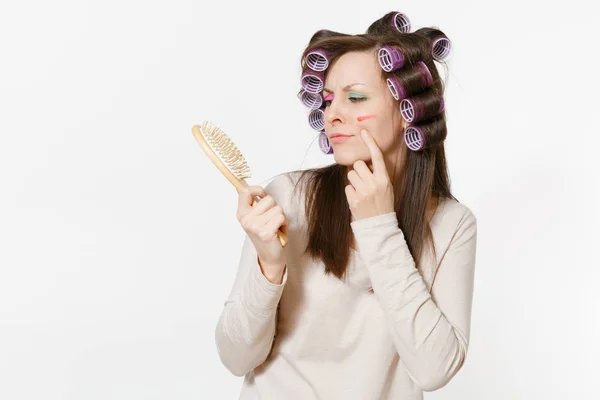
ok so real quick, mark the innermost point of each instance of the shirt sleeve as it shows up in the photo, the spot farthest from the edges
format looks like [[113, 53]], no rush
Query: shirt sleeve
[[246, 327], [430, 330]]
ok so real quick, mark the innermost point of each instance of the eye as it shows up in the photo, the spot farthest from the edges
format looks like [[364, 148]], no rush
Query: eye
[[352, 98], [357, 99]]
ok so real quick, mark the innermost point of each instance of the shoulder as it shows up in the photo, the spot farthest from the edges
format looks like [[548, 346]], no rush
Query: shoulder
[[455, 218], [278, 187], [282, 184], [458, 210], [285, 182]]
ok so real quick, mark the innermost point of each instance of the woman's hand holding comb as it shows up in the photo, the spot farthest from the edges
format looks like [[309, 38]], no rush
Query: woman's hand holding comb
[[261, 222]]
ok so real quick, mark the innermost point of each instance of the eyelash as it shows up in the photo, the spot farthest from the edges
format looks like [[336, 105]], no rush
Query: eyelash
[[352, 99]]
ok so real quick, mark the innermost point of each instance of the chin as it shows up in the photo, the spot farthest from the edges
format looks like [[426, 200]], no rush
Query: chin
[[347, 157]]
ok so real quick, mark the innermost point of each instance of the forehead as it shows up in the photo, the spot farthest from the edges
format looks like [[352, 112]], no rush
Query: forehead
[[354, 67]]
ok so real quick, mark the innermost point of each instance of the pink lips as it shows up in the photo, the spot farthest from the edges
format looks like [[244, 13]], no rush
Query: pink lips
[[338, 138]]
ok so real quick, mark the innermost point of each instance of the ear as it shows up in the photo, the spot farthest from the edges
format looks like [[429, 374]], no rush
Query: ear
[[404, 123]]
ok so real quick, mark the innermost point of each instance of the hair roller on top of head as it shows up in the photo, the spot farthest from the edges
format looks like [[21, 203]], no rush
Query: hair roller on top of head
[[440, 48], [391, 23], [315, 119], [311, 100], [421, 106], [324, 144], [412, 80], [317, 60], [401, 22], [440, 44], [312, 81], [427, 135], [390, 59]]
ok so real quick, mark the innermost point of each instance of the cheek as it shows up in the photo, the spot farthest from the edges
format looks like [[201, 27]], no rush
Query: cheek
[[362, 118], [386, 134]]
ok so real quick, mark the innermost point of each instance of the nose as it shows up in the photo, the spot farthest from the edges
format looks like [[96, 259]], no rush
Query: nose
[[333, 114]]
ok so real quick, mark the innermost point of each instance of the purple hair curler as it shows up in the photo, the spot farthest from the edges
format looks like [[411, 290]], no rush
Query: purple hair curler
[[311, 100], [414, 138], [426, 73], [317, 60], [324, 144], [312, 81], [401, 23], [315, 119], [412, 110], [394, 85], [390, 59], [423, 81], [440, 47]]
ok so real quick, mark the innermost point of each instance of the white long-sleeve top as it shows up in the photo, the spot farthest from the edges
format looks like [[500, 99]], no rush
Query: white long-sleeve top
[[388, 331]]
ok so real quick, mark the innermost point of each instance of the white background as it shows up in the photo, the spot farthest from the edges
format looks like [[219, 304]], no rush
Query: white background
[[118, 236]]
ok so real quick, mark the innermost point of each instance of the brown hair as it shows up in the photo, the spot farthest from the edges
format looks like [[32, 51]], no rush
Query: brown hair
[[424, 174]]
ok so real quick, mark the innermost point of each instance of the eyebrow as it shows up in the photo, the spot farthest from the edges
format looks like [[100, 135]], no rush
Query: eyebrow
[[347, 88]]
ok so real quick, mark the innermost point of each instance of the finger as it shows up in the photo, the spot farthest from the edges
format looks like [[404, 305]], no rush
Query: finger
[[271, 213], [275, 219], [376, 155], [363, 171], [262, 206], [356, 180], [259, 208], [246, 196]]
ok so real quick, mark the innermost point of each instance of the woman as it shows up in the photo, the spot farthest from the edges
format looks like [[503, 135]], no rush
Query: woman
[[372, 297]]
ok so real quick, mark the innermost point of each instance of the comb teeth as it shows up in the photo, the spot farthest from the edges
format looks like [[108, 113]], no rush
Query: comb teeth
[[226, 149]]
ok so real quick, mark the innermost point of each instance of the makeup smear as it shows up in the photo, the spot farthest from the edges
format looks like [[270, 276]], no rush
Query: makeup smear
[[328, 97], [362, 118]]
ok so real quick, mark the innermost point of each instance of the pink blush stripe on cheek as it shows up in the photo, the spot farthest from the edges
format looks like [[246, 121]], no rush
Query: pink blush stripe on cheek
[[361, 119]]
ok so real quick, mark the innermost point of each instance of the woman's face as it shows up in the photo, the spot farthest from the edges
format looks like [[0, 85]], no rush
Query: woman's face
[[357, 97]]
